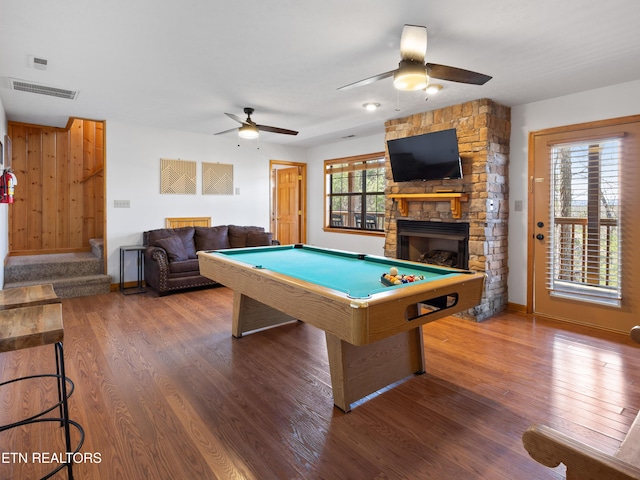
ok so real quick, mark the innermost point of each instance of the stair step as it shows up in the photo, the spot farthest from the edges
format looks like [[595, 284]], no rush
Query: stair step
[[51, 266], [97, 247], [71, 274]]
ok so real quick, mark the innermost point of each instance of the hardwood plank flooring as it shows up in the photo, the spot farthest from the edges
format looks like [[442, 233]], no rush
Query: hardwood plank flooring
[[163, 391]]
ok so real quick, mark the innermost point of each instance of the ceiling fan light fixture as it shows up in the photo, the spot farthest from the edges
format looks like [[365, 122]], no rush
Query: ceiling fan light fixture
[[410, 76], [433, 88], [248, 131]]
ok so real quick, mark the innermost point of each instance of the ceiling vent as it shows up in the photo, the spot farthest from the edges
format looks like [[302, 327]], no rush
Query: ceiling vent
[[25, 86]]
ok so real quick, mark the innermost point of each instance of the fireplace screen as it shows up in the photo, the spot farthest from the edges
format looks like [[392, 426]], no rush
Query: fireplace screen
[[437, 243]]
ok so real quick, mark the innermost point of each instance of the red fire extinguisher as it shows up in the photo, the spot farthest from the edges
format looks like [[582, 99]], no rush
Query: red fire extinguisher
[[8, 182]]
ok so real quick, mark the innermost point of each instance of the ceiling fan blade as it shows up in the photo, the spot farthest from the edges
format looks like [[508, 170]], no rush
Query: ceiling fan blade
[[369, 80], [413, 43], [266, 128], [236, 118], [234, 129], [454, 74]]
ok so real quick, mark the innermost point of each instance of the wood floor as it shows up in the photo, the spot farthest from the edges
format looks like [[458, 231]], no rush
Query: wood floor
[[164, 392]]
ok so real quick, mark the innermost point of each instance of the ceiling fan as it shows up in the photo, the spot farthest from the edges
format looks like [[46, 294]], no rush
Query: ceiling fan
[[412, 72], [250, 129]]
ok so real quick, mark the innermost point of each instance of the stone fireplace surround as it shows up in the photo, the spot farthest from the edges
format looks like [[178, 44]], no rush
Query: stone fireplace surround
[[483, 128]]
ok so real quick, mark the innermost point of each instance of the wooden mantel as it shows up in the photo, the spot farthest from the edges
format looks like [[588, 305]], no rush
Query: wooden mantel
[[403, 200]]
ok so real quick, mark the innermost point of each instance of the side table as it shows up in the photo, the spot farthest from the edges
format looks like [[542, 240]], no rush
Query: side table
[[35, 326], [140, 260]]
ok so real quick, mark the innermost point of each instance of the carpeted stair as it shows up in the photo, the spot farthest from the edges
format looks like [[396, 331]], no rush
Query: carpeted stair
[[71, 274]]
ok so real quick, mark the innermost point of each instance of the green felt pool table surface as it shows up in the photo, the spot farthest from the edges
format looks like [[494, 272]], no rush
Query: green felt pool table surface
[[357, 275]]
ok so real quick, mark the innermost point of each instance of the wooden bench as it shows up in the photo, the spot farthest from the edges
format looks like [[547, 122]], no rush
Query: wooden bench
[[551, 448]]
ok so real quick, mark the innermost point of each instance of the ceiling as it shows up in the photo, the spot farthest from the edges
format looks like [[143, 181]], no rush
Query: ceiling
[[181, 65]]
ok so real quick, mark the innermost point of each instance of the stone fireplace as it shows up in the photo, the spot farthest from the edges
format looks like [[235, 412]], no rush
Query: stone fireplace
[[472, 211]]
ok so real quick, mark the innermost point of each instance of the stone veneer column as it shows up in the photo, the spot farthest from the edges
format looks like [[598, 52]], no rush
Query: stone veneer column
[[483, 129]]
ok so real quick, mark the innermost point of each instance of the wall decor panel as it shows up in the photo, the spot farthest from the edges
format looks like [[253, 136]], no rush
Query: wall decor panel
[[177, 177], [217, 179]]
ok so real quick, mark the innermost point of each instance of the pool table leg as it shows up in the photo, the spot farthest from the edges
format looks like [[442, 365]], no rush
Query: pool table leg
[[250, 314], [357, 371]]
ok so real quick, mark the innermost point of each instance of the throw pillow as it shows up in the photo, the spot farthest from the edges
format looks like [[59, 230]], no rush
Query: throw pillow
[[184, 233], [174, 248], [211, 238]]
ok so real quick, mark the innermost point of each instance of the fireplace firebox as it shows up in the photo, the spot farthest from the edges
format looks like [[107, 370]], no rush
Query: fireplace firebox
[[440, 243]]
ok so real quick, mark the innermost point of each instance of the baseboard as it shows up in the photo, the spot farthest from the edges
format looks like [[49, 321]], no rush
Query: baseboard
[[516, 307]]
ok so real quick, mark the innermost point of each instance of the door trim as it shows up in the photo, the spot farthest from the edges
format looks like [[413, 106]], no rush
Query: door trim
[[274, 165]]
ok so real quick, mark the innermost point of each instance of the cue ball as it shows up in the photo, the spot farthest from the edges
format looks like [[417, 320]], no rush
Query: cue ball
[[393, 271]]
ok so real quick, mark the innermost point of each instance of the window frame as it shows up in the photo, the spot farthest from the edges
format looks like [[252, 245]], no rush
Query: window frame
[[352, 162]]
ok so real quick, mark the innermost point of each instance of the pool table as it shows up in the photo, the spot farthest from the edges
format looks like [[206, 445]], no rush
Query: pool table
[[373, 330]]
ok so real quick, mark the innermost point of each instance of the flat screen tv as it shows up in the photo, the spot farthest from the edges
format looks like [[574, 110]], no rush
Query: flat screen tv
[[431, 156]]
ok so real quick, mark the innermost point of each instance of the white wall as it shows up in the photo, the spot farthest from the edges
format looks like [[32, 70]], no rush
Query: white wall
[[133, 173], [315, 190], [603, 103], [4, 208]]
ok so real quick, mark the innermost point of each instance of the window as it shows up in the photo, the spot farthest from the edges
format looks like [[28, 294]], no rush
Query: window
[[354, 190], [584, 261]]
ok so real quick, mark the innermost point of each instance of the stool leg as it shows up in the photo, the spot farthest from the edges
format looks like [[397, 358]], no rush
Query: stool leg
[[61, 383], [62, 390]]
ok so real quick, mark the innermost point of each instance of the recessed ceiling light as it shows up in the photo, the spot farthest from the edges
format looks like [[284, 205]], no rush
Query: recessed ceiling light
[[371, 106], [433, 89]]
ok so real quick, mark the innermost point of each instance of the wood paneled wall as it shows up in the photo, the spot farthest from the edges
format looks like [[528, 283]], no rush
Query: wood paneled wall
[[59, 200]]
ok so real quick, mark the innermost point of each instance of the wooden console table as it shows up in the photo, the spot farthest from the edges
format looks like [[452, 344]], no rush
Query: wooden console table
[[453, 197]]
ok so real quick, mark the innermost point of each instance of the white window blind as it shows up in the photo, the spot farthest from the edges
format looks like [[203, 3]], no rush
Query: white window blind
[[583, 260]]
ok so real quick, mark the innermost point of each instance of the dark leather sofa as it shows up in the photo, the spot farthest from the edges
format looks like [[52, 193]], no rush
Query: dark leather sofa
[[170, 260]]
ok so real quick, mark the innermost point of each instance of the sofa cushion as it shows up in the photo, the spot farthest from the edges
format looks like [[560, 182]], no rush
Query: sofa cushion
[[238, 235], [184, 233], [259, 239], [211, 238], [185, 267], [174, 247]]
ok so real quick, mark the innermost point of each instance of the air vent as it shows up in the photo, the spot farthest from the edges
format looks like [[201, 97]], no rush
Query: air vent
[[30, 87], [40, 63]]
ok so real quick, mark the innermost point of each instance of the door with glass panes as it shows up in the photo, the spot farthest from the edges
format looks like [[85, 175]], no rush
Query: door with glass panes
[[585, 223]]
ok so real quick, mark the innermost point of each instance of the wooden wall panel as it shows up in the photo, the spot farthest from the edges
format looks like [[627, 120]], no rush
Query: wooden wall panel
[[98, 180], [59, 203], [62, 189], [76, 207], [49, 190], [34, 189], [18, 211]]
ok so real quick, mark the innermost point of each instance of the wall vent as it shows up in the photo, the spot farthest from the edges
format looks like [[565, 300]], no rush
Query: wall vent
[[40, 63], [25, 86]]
